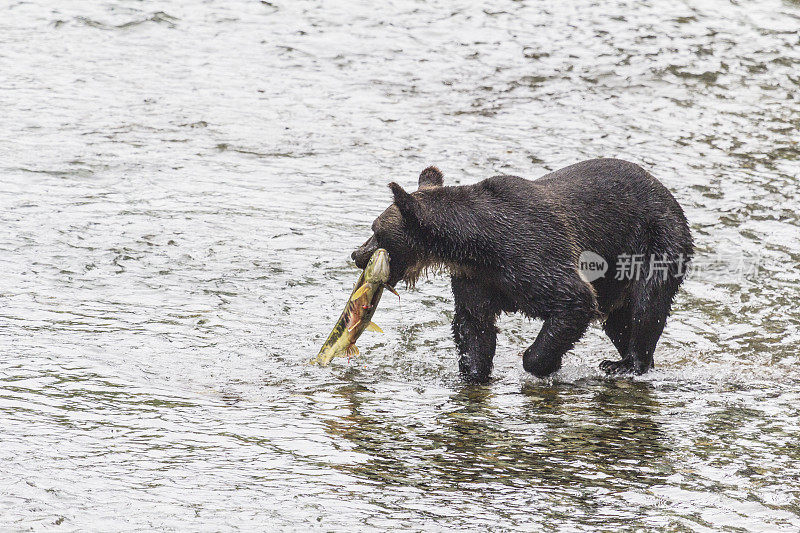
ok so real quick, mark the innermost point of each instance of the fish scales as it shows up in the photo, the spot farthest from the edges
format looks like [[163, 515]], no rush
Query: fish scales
[[358, 311]]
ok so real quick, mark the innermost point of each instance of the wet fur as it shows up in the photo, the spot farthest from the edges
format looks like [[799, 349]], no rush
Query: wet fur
[[512, 245], [428, 265]]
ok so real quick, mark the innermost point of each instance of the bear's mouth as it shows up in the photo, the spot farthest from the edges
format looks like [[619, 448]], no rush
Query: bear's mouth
[[363, 253]]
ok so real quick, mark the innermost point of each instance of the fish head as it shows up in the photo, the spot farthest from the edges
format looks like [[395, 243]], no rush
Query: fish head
[[377, 270]]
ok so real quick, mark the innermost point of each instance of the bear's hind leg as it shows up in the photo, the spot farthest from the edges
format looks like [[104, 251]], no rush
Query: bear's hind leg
[[559, 334], [642, 323], [619, 327]]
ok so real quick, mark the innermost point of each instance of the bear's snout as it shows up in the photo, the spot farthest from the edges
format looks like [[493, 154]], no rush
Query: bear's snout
[[362, 254]]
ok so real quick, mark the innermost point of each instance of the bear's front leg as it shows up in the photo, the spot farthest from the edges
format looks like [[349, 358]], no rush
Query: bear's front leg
[[474, 328]]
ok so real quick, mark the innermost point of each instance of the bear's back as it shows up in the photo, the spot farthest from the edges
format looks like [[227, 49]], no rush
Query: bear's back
[[604, 205], [613, 184]]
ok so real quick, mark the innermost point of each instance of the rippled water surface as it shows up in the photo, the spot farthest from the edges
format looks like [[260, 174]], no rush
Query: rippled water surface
[[181, 184]]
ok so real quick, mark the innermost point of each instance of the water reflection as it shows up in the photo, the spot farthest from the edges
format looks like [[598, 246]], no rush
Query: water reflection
[[558, 448], [553, 440]]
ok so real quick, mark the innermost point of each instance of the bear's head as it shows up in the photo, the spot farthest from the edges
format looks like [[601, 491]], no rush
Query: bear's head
[[397, 230]]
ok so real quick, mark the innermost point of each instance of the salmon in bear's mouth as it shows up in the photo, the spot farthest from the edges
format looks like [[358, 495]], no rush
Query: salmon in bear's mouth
[[357, 315]]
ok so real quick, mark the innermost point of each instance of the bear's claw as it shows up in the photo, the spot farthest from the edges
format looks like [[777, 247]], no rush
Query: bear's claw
[[623, 366]]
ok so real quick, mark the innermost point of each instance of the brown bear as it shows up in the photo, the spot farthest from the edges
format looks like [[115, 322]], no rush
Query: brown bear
[[517, 245]]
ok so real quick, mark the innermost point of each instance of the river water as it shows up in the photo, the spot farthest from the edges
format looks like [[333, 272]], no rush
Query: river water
[[181, 184]]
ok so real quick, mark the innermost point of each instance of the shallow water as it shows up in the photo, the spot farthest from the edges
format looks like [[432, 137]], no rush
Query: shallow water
[[181, 184]]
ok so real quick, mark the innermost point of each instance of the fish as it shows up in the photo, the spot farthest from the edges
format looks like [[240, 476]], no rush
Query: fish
[[357, 315]]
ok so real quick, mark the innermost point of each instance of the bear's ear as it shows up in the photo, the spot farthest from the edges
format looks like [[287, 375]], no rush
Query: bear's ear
[[431, 177], [405, 202]]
